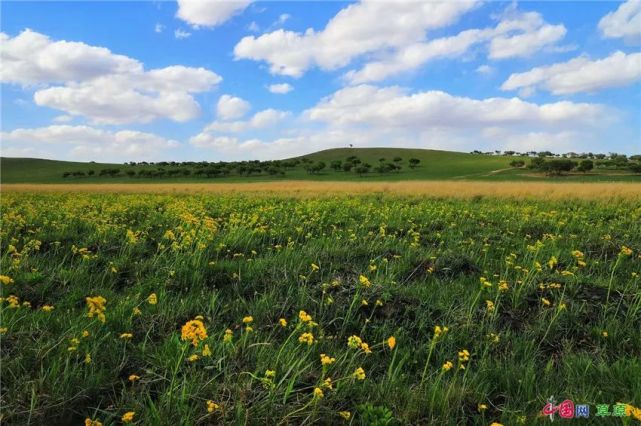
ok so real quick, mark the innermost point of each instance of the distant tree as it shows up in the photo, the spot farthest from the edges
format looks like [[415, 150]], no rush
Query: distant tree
[[336, 165], [66, 174], [361, 170], [537, 163], [557, 167], [397, 159], [347, 166], [585, 166], [414, 162], [509, 153], [517, 163], [131, 173], [635, 168], [381, 160], [91, 173]]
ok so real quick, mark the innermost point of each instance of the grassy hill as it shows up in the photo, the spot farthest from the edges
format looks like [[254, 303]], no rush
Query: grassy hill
[[434, 165]]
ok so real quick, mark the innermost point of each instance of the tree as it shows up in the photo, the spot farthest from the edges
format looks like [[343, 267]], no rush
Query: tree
[[336, 165], [557, 167], [347, 167], [91, 173], [517, 163], [361, 170], [414, 162], [585, 166], [397, 159], [131, 173], [635, 168], [537, 163]]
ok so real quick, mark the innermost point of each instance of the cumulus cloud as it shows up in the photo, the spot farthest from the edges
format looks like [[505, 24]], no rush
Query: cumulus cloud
[[394, 107], [181, 34], [89, 143], [32, 58], [102, 86], [517, 34], [625, 22], [281, 88], [579, 75], [231, 107], [209, 13], [358, 29]]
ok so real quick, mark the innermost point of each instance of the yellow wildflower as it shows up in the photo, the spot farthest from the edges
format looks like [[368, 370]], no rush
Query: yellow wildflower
[[282, 322], [345, 414], [391, 342], [307, 338], [304, 316], [626, 251], [248, 319], [87, 358], [327, 360], [481, 407], [193, 358], [206, 351], [136, 311], [47, 308], [229, 335], [359, 374], [96, 307], [91, 422], [6, 280], [315, 267], [133, 378], [270, 374], [128, 417], [447, 366], [364, 281], [212, 406], [318, 393], [152, 299], [126, 336], [489, 306], [194, 331], [354, 342], [328, 384]]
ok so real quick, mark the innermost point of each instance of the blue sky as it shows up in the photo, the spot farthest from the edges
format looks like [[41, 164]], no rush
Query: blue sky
[[210, 80]]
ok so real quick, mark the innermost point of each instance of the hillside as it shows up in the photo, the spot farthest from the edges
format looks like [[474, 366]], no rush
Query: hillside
[[433, 165]]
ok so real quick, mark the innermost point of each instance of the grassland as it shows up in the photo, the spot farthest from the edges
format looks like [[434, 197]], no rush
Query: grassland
[[217, 309], [434, 165]]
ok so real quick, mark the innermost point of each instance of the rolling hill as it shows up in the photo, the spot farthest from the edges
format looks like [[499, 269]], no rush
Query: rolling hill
[[434, 165]]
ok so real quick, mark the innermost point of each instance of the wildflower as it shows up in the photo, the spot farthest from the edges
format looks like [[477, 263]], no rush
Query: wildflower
[[96, 307], [91, 422], [152, 299], [439, 331], [133, 378], [87, 358], [545, 301], [496, 424], [14, 302], [632, 411], [6, 280], [562, 306], [194, 331], [229, 335], [447, 366], [193, 358], [493, 337], [364, 281], [345, 414], [604, 333], [128, 417], [577, 254], [307, 338], [625, 251], [379, 302], [485, 283], [3, 330], [212, 406], [249, 329], [481, 407], [304, 316], [318, 393], [464, 355], [282, 322], [47, 308], [327, 360], [359, 374], [503, 286], [354, 342], [365, 348], [136, 311], [327, 383], [489, 306], [126, 336], [391, 342], [315, 267], [372, 268], [552, 262], [206, 351], [248, 319], [270, 374]]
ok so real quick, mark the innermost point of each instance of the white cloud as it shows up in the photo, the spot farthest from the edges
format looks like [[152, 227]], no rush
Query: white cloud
[[624, 23], [181, 34], [63, 119], [207, 140], [358, 29], [579, 75], [484, 69], [517, 34], [209, 13], [231, 107], [89, 143], [393, 107], [102, 86], [159, 28], [253, 27], [32, 58], [261, 120], [281, 88]]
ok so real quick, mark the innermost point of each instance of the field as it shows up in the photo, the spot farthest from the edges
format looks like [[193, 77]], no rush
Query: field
[[434, 165], [347, 308]]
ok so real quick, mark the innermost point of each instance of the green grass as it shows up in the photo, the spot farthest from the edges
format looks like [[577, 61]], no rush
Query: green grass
[[228, 257], [435, 165]]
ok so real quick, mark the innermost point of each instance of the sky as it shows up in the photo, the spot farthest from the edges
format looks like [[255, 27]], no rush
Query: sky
[[198, 80]]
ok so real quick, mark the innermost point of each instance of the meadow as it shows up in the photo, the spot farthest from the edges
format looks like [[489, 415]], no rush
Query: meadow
[[347, 308]]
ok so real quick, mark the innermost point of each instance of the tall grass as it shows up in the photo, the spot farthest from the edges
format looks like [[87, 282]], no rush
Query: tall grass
[[540, 298]]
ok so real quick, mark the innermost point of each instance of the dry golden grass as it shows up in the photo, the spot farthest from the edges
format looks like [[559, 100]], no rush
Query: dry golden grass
[[307, 189]]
